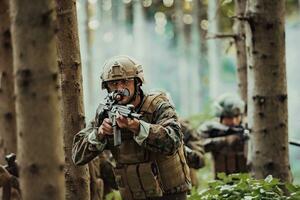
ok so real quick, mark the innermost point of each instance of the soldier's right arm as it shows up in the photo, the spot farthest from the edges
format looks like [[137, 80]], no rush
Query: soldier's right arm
[[212, 142], [86, 145]]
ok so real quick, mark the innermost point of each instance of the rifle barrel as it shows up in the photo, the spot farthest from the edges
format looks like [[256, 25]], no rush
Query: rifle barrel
[[295, 143]]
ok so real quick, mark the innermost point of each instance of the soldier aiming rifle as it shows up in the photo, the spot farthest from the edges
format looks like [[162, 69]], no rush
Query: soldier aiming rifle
[[225, 137], [150, 161]]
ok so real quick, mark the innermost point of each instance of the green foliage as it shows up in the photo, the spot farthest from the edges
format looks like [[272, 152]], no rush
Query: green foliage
[[226, 2], [242, 186], [114, 195], [206, 174]]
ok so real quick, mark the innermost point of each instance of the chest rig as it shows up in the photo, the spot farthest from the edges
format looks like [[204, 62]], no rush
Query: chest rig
[[231, 160], [141, 174]]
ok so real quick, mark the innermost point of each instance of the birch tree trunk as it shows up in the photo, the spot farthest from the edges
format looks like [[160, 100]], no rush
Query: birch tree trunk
[[240, 43], [8, 137], [267, 89], [77, 178], [40, 140]]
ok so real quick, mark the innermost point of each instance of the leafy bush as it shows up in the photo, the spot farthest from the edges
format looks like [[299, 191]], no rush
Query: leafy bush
[[242, 186]]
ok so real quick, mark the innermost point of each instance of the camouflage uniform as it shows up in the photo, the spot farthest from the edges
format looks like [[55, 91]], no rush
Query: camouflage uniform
[[229, 157], [96, 181], [149, 165], [106, 172], [194, 150]]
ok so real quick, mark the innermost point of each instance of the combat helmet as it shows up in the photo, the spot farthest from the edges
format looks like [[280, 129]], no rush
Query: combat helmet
[[121, 67], [228, 105]]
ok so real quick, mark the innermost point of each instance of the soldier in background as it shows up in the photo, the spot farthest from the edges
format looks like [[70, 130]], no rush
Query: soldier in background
[[150, 161], [96, 181], [194, 150], [226, 137], [102, 179], [106, 172]]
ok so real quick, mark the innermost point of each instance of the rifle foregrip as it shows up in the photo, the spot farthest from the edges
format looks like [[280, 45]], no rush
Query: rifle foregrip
[[117, 136]]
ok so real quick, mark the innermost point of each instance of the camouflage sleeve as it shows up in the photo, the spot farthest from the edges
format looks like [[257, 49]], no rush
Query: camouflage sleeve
[[164, 134], [194, 149], [86, 144], [195, 155]]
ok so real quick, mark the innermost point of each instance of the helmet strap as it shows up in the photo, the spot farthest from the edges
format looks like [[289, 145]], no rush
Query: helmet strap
[[136, 90]]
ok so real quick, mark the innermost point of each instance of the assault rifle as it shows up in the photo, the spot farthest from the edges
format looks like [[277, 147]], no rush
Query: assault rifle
[[9, 178], [12, 166], [239, 130], [113, 109], [221, 130]]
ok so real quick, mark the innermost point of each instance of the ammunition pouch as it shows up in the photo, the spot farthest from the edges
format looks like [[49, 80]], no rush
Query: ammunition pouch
[[129, 152], [139, 181], [174, 172]]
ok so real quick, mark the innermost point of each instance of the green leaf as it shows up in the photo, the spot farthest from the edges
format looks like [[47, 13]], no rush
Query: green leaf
[[292, 188], [269, 178], [222, 176], [226, 2]]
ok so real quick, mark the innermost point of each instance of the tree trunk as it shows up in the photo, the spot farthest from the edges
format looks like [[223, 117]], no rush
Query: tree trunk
[[77, 178], [182, 62], [8, 140], [129, 16], [194, 60], [140, 37], [204, 70], [214, 56], [240, 43], [123, 36], [267, 89], [89, 51], [40, 140]]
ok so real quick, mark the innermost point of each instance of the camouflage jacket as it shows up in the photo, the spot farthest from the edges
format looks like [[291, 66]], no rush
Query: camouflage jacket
[[194, 149], [161, 135]]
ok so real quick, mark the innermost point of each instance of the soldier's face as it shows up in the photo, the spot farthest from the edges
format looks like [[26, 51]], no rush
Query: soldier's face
[[232, 121], [120, 85]]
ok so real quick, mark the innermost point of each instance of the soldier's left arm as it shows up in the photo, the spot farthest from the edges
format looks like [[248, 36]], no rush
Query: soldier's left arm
[[164, 134], [195, 155]]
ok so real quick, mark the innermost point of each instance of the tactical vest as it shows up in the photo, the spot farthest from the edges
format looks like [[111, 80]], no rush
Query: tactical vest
[[232, 160], [142, 174]]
